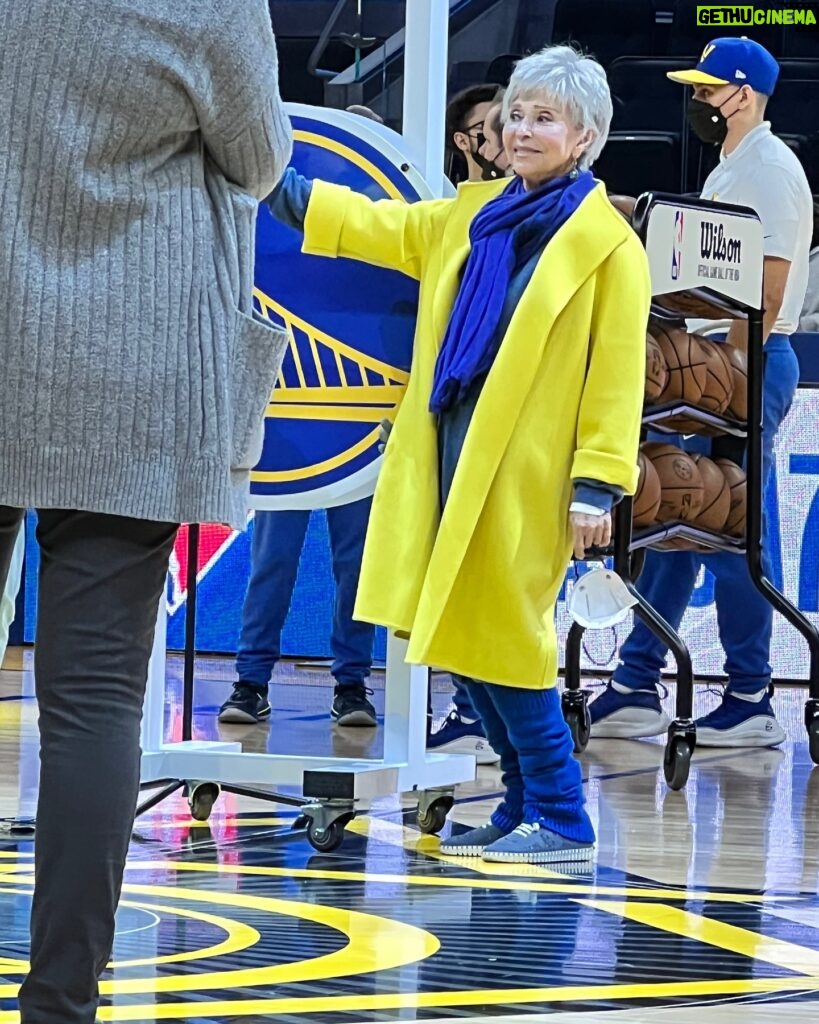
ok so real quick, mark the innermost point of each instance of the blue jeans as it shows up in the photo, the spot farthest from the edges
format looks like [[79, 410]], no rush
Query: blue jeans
[[744, 616], [278, 538], [543, 781]]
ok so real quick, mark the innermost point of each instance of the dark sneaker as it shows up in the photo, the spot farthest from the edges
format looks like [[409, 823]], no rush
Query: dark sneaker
[[245, 706], [628, 716], [457, 736], [351, 707], [740, 723]]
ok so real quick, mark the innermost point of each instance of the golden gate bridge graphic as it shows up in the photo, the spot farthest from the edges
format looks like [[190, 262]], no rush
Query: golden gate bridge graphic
[[323, 378]]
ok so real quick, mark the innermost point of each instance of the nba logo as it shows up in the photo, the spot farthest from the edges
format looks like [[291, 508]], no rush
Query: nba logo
[[676, 251]]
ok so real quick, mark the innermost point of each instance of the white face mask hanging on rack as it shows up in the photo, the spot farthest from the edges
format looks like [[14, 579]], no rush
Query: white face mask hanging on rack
[[600, 599]]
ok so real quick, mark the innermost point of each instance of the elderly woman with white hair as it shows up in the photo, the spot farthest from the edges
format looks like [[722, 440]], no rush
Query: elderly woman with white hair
[[518, 430]]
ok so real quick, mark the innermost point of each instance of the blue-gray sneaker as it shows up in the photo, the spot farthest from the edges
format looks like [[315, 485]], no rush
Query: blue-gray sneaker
[[473, 842], [532, 844]]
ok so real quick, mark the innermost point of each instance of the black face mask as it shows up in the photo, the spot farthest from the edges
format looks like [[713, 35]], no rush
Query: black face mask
[[489, 171], [709, 123]]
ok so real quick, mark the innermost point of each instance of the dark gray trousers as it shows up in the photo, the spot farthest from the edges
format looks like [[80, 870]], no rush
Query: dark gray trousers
[[101, 579]]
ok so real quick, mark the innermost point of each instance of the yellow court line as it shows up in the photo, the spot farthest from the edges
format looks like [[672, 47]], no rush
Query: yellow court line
[[787, 955], [437, 881], [373, 944], [409, 839], [304, 472], [415, 1000], [239, 938]]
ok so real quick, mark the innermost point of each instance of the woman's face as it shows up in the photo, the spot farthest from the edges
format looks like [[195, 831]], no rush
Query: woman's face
[[540, 140]]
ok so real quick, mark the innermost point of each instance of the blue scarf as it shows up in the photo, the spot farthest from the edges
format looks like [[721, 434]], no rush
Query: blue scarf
[[505, 235]]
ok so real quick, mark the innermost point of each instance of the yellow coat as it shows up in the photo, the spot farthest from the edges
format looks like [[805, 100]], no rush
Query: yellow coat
[[476, 587]]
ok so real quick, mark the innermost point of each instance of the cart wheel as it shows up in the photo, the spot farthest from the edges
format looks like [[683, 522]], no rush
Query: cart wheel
[[300, 823], [325, 840], [579, 723], [201, 800], [433, 819], [677, 762], [813, 740]]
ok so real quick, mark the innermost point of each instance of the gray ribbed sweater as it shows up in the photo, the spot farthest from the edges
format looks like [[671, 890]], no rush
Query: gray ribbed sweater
[[136, 137]]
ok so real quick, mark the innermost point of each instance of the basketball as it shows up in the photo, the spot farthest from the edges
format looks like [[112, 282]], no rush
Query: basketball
[[656, 370], [681, 485], [735, 477], [688, 425], [647, 498], [624, 205], [687, 365], [738, 406], [716, 502], [719, 377], [680, 544]]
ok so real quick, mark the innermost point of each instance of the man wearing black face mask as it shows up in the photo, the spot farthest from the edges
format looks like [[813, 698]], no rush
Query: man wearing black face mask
[[465, 116], [732, 84], [493, 152]]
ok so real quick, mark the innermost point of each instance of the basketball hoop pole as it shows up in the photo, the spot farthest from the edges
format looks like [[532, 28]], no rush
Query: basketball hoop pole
[[425, 73]]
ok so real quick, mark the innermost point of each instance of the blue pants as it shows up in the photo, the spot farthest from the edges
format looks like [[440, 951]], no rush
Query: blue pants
[[744, 616], [453, 425], [462, 701], [278, 538], [542, 779]]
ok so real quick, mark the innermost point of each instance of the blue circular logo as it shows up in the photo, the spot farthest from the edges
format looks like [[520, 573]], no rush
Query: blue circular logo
[[351, 326]]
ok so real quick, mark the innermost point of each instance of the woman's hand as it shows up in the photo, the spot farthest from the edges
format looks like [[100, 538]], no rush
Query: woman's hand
[[590, 532], [384, 431]]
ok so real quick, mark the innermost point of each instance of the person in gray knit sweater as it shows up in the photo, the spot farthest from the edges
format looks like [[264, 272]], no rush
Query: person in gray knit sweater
[[137, 139]]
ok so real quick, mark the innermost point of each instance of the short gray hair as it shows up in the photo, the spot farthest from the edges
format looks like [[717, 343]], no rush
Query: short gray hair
[[573, 82]]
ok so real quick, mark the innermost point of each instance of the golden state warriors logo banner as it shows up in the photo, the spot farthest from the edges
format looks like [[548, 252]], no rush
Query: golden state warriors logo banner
[[351, 326]]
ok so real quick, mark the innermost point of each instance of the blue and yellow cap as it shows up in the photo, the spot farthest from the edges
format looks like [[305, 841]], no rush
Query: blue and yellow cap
[[733, 60]]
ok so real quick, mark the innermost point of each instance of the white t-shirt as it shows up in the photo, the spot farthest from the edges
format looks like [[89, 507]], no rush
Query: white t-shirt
[[764, 174]]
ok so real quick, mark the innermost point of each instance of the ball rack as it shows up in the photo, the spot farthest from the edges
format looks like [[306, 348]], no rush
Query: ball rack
[[670, 228]]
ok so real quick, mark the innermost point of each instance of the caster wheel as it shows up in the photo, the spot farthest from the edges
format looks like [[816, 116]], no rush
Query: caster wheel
[[432, 820], [325, 840], [201, 800], [299, 823], [677, 762], [579, 724], [813, 740]]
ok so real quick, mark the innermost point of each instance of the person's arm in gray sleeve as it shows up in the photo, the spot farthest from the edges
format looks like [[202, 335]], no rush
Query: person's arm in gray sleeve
[[244, 126]]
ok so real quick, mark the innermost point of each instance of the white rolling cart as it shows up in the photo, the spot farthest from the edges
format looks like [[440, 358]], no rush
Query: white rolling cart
[[330, 789]]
